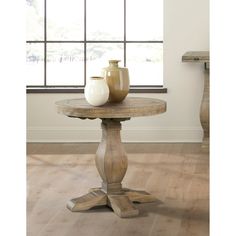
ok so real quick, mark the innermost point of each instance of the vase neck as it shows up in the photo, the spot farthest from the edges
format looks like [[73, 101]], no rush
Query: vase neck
[[114, 63]]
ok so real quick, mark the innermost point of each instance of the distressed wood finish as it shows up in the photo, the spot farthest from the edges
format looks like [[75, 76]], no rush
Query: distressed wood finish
[[204, 112], [203, 57], [196, 56], [122, 206], [111, 159], [130, 107], [94, 198]]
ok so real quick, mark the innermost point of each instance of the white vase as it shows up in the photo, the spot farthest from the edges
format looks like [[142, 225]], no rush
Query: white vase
[[96, 91]]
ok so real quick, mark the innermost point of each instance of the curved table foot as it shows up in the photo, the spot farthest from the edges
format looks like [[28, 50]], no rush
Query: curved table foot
[[139, 196], [122, 206], [87, 201]]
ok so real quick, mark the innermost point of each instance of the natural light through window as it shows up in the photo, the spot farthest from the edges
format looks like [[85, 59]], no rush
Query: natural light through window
[[69, 41]]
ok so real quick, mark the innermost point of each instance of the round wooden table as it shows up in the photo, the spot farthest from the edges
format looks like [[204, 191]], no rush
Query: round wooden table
[[111, 159]]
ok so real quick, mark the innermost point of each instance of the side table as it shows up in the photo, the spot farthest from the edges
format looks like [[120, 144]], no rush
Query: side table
[[202, 57], [111, 160]]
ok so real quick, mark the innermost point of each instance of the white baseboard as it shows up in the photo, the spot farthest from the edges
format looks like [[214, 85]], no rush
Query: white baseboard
[[139, 134]]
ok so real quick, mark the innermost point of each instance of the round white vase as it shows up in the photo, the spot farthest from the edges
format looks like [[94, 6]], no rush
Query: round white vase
[[96, 91]]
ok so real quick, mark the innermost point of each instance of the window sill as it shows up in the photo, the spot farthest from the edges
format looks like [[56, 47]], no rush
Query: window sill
[[151, 89]]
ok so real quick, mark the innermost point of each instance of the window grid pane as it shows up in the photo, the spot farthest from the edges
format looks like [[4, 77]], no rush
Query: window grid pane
[[65, 19], [128, 45], [34, 19], [34, 64], [145, 63], [105, 20], [65, 64]]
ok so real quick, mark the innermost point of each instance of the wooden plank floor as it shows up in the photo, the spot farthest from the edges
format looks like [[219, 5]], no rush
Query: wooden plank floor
[[177, 174]]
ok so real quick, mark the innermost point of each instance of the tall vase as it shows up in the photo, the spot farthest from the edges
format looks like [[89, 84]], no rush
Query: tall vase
[[117, 79]]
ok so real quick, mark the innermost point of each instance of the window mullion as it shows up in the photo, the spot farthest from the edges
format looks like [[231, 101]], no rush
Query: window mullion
[[45, 42], [85, 42], [125, 33]]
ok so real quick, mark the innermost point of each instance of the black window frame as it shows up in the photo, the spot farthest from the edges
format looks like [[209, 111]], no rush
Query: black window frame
[[80, 89]]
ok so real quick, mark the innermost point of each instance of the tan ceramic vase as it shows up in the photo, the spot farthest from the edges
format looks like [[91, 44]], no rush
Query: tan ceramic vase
[[117, 79]]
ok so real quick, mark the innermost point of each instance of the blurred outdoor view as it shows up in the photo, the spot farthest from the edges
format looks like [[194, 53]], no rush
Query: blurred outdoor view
[[104, 22]]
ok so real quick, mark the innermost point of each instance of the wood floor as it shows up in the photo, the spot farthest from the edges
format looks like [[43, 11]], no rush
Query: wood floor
[[177, 174]]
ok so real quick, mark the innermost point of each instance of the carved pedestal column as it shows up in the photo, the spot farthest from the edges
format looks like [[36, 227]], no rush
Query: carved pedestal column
[[204, 111], [203, 57], [111, 162], [111, 159]]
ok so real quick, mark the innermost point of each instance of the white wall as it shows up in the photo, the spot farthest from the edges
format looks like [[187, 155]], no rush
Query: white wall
[[186, 28]]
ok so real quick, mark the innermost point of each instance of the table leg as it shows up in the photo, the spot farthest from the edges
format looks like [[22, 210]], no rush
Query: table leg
[[111, 163], [111, 159], [122, 206], [87, 201], [204, 112], [139, 196]]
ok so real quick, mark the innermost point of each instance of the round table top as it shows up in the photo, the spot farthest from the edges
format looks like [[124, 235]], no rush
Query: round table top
[[130, 107]]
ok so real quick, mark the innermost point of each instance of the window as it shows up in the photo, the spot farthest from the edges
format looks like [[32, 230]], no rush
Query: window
[[70, 40]]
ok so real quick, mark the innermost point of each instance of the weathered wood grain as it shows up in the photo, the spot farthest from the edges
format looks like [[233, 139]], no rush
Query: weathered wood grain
[[130, 107], [111, 163], [111, 159], [92, 199], [122, 206], [196, 56], [205, 113], [203, 57]]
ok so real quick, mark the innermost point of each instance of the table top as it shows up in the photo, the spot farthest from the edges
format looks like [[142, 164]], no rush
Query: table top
[[130, 107], [196, 56]]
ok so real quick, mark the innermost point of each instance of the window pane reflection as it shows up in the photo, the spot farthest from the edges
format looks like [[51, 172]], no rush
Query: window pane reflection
[[34, 64], [65, 19], [105, 20], [65, 64], [34, 20], [144, 62]]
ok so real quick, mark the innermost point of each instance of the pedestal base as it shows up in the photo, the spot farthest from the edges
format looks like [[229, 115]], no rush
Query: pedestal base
[[205, 145], [122, 204], [204, 113], [111, 162]]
